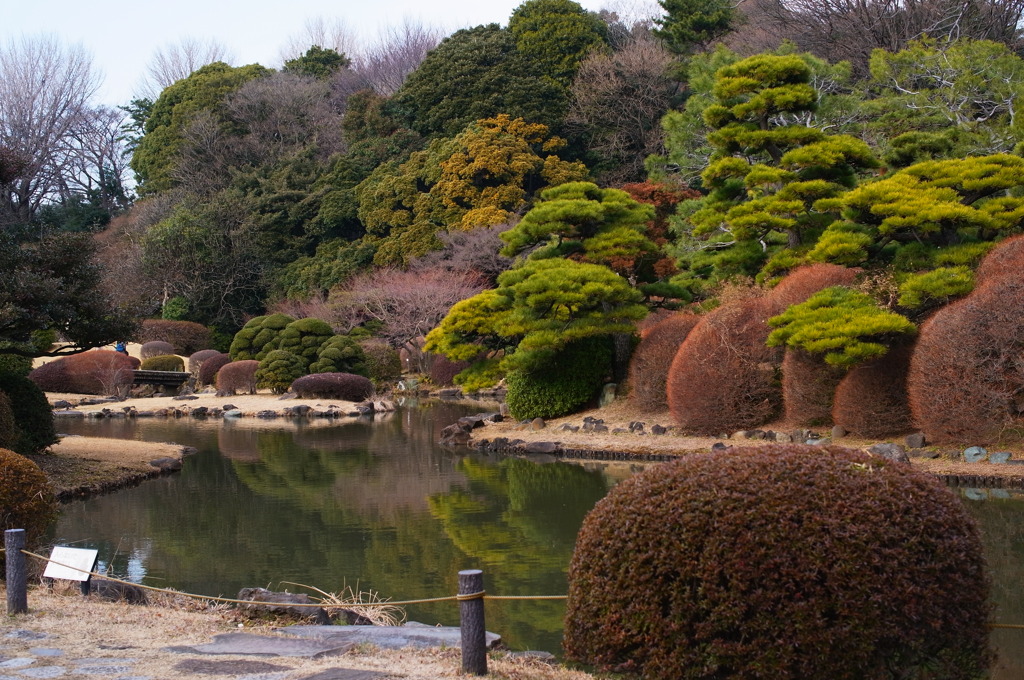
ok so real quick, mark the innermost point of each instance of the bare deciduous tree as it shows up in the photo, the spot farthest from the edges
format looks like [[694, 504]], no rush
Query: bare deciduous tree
[[617, 103], [97, 158], [170, 64], [839, 30], [330, 34], [396, 53], [45, 88]]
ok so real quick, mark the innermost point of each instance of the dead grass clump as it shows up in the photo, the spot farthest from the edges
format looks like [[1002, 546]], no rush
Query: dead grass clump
[[871, 400], [808, 388], [367, 604], [724, 377], [649, 365]]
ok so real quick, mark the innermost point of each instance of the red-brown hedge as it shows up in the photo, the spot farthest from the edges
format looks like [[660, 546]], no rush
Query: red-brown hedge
[[345, 386], [1005, 260], [442, 370], [209, 368], [196, 360], [155, 348], [965, 381], [808, 387], [871, 401], [649, 365], [803, 282], [97, 371], [26, 497], [785, 562], [187, 337], [723, 377], [237, 376]]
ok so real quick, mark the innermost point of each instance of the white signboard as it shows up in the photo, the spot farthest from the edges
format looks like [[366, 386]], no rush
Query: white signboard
[[79, 561]]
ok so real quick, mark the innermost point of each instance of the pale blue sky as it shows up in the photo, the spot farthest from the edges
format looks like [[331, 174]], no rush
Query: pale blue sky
[[122, 36]]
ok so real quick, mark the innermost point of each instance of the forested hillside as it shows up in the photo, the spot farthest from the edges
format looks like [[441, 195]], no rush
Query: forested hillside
[[522, 197]]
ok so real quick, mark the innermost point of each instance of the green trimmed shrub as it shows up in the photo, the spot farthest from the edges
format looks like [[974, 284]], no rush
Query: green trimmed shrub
[[8, 428], [340, 354], [155, 348], [187, 337], [303, 338], [561, 384], [12, 363], [278, 370], [782, 561], [345, 386], [209, 368], [382, 361], [163, 362], [237, 376], [33, 416], [26, 497], [258, 337]]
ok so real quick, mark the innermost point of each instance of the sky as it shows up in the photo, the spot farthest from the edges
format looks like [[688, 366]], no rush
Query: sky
[[123, 36]]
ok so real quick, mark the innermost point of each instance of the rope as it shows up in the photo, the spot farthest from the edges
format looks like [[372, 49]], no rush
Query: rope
[[479, 595]]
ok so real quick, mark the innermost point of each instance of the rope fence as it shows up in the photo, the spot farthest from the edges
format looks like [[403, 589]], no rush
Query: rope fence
[[470, 597]]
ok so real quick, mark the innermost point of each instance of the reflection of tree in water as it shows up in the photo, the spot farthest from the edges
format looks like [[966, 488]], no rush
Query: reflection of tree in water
[[518, 521], [1002, 534]]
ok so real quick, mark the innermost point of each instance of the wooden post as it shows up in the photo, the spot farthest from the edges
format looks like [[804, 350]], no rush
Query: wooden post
[[17, 573], [471, 614]]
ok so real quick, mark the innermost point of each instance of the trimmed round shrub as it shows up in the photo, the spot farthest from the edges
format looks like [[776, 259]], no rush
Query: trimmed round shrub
[[803, 282], [649, 365], [98, 371], [155, 348], [187, 337], [164, 362], [344, 386], [209, 368], [26, 497], [808, 388], [278, 370], [237, 376], [11, 363], [1006, 259], [443, 370], [303, 338], [196, 360], [382, 361], [871, 401], [33, 417], [258, 337], [8, 428], [724, 377], [340, 354], [785, 562], [562, 384]]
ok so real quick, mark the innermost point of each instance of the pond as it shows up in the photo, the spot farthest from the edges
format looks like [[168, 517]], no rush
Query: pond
[[376, 505]]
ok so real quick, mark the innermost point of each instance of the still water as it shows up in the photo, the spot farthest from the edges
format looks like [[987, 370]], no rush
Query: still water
[[377, 505]]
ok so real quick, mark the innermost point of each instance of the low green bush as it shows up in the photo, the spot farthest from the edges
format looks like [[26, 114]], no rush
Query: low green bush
[[278, 369], [163, 362], [340, 354], [33, 417], [382, 361], [561, 384], [258, 336], [781, 561], [345, 386], [303, 338]]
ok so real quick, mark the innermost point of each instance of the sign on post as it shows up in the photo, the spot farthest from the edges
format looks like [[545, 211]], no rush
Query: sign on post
[[74, 565]]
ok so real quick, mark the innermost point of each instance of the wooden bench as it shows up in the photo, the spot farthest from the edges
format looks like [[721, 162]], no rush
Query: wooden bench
[[167, 378]]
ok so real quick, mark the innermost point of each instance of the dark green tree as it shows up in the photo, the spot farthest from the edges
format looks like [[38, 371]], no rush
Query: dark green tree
[[318, 62], [689, 26], [477, 73], [557, 35]]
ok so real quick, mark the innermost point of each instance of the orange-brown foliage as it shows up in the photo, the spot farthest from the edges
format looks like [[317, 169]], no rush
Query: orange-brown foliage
[[808, 386], [655, 317], [724, 377], [187, 337], [966, 381], [237, 376], [649, 365], [871, 401], [94, 372], [803, 282], [1006, 259]]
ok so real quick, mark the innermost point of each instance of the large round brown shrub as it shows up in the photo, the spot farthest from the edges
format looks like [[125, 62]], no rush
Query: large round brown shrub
[[649, 365], [803, 282], [237, 376], [1005, 260], [195, 361], [98, 371], [723, 376], [808, 387], [346, 386], [871, 400], [52, 376], [966, 380], [782, 562], [443, 370], [26, 497], [209, 368], [186, 337], [155, 348]]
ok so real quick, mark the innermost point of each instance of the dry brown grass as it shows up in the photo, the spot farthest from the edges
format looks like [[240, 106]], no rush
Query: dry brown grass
[[88, 628]]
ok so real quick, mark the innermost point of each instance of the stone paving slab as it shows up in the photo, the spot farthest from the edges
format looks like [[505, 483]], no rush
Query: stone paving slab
[[346, 674], [243, 667], [388, 637], [262, 645]]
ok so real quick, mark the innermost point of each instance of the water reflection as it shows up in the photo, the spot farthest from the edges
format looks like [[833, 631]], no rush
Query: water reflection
[[373, 504]]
